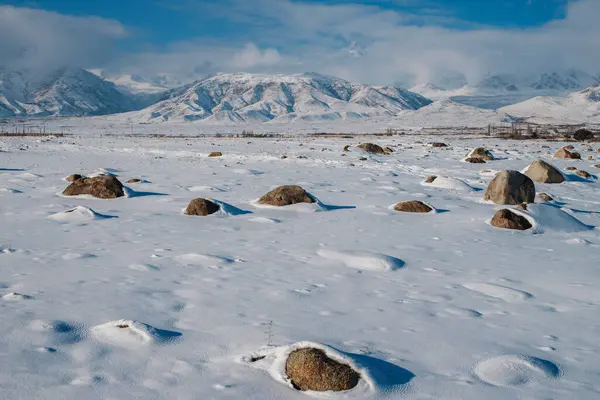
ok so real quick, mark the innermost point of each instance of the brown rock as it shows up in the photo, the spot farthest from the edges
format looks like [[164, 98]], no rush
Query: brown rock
[[565, 153], [510, 187], [284, 157], [438, 144], [590, 158], [475, 160], [597, 165], [347, 147], [583, 174], [201, 207], [507, 219], [430, 179], [103, 187], [545, 197], [371, 148], [311, 369], [215, 154], [522, 207], [413, 206], [541, 171], [388, 150], [134, 180], [571, 168], [285, 196], [482, 153], [73, 178], [569, 147]]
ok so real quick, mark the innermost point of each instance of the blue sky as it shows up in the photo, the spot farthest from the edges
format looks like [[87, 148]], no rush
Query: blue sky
[[396, 39]]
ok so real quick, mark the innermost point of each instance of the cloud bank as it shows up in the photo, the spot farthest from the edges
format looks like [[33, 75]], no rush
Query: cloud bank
[[284, 36]]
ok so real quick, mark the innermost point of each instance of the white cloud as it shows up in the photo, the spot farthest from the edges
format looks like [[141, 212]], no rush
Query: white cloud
[[31, 38], [251, 56]]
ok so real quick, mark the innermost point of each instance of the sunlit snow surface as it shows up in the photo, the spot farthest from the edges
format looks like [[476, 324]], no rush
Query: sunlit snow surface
[[129, 298]]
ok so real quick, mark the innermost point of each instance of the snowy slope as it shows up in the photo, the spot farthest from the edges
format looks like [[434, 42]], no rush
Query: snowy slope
[[449, 113], [262, 98], [65, 92], [583, 106]]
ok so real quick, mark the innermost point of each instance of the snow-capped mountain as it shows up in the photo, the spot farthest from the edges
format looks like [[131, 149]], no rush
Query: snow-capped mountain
[[262, 98], [583, 106], [65, 92], [450, 113], [137, 84]]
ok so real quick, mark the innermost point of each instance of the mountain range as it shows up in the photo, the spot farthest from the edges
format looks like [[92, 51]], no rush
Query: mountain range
[[571, 96]]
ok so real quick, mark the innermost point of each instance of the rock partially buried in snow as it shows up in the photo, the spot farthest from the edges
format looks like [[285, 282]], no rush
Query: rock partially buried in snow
[[215, 154], [78, 214], [566, 154], [371, 148], [437, 144], [362, 260], [475, 160], [507, 219], [103, 187], [541, 171], [482, 153], [510, 187], [134, 180], [74, 177], [311, 369], [285, 196], [583, 174], [545, 197], [201, 207], [597, 165], [515, 370], [413, 206], [132, 334], [430, 179]]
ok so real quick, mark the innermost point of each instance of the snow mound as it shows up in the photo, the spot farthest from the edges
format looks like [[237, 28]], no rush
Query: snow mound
[[202, 259], [131, 334], [505, 293], [515, 370], [376, 376], [78, 214], [445, 182], [16, 297], [547, 217], [363, 260]]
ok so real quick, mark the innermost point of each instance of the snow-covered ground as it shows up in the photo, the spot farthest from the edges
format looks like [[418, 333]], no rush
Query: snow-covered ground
[[128, 298]]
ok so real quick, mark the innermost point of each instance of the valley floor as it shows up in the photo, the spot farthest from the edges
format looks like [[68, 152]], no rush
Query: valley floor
[[435, 306]]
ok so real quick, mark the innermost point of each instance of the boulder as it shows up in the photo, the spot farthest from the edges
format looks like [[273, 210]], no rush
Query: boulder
[[569, 147], [363, 159], [545, 197], [590, 158], [201, 207], [413, 206], [285, 196], [134, 180], [371, 148], [311, 369], [541, 171], [74, 177], [388, 150], [430, 179], [597, 165], [510, 187], [215, 154], [565, 153], [482, 153], [347, 147], [571, 168], [438, 144], [103, 187], [507, 219], [475, 160], [583, 174]]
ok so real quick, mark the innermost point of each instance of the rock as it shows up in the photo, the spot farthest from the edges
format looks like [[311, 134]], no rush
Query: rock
[[285, 196], [283, 157], [590, 158], [371, 148], [438, 144], [134, 180], [74, 177], [363, 159], [482, 153], [507, 219], [583, 174], [597, 165], [413, 206], [565, 153], [351, 165], [103, 187], [201, 207], [215, 154], [571, 169], [569, 147], [475, 160], [311, 369], [522, 207], [388, 150], [347, 147], [510, 187], [541, 171], [430, 179], [545, 197]]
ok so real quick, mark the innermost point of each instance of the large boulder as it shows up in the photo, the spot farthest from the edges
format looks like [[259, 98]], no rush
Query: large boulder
[[482, 153], [507, 219], [565, 153], [103, 187], [371, 148], [201, 207], [510, 187], [413, 206], [285, 196], [311, 369], [541, 171]]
